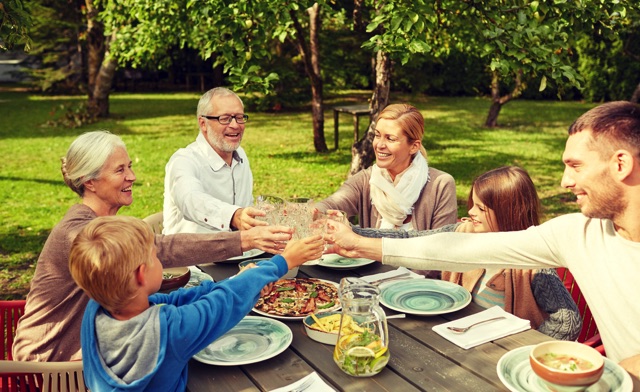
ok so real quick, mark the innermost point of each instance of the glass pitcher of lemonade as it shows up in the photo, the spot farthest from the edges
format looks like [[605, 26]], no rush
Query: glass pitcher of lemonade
[[362, 349]]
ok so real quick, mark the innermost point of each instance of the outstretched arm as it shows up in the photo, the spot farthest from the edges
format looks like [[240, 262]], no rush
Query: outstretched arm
[[395, 233]]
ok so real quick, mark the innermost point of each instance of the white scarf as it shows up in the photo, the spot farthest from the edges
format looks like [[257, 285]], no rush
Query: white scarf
[[394, 203]]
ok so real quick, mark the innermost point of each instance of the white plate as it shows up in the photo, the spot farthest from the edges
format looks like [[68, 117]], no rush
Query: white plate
[[338, 262], [424, 296], [279, 317], [516, 374], [246, 255], [254, 339]]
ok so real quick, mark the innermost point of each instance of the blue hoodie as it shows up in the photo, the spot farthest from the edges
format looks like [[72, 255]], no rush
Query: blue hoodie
[[150, 352]]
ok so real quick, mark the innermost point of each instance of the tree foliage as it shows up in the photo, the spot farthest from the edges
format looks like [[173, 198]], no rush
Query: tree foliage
[[15, 20], [520, 40], [57, 60], [240, 34], [610, 65]]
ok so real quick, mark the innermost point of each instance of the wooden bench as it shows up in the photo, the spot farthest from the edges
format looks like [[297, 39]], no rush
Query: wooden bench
[[356, 111]]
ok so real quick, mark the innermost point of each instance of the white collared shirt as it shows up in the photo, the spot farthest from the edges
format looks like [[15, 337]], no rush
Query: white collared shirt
[[201, 191]]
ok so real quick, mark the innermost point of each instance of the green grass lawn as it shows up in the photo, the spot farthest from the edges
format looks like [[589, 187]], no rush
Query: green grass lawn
[[279, 145]]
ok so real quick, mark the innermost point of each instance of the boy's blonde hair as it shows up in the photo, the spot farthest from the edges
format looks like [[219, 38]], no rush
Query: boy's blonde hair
[[105, 255]]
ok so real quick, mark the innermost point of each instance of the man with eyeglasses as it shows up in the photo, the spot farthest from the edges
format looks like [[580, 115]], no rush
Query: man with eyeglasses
[[209, 185]]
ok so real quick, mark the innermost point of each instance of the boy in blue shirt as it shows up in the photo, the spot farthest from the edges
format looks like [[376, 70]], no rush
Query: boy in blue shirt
[[129, 341]]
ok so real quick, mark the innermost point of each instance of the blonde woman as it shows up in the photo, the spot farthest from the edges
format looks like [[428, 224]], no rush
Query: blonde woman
[[400, 191]]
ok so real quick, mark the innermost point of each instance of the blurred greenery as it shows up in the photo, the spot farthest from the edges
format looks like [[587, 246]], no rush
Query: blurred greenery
[[279, 145]]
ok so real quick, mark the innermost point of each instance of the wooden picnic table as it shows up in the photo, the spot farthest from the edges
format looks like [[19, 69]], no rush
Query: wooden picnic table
[[356, 111], [421, 360]]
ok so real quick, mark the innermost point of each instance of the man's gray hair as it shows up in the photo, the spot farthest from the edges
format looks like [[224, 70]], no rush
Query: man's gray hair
[[217, 92]]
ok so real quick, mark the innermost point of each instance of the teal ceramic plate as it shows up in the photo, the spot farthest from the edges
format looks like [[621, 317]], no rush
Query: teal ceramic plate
[[424, 296], [254, 339], [338, 262], [516, 374], [197, 277], [245, 255]]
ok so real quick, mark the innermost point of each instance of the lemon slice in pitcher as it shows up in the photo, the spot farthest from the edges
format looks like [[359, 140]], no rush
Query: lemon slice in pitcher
[[360, 352]]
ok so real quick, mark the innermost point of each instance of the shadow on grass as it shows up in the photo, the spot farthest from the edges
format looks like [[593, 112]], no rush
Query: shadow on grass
[[317, 158], [23, 115], [59, 183], [559, 204]]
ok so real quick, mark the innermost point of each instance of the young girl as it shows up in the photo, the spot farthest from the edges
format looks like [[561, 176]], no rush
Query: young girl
[[505, 199]]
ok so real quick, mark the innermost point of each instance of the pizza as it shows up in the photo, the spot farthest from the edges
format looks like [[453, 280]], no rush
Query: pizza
[[299, 297]]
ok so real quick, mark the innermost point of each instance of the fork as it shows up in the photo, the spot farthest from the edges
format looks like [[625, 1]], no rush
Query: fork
[[465, 329], [304, 386], [405, 275]]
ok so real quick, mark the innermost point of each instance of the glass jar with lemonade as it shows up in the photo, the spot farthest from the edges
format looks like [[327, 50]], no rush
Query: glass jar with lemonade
[[362, 349]]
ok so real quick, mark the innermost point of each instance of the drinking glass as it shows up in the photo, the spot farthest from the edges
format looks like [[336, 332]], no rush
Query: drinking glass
[[273, 206]]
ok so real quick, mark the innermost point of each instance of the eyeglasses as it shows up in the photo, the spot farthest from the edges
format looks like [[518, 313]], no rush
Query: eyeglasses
[[225, 119]]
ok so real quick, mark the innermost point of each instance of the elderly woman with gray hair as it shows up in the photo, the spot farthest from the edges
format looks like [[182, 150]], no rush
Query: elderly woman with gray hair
[[97, 167]]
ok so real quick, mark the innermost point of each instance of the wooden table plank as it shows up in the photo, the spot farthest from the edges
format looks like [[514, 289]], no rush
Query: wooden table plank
[[204, 377], [281, 370], [429, 370]]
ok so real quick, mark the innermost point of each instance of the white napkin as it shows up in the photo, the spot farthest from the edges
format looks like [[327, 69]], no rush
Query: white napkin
[[316, 384], [484, 332], [391, 274]]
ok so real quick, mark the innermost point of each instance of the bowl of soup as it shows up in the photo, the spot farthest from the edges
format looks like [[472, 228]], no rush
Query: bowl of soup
[[566, 366]]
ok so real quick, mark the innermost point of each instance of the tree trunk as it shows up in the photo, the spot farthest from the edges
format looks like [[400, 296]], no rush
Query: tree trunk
[[362, 154], [101, 67], [358, 25], [494, 111], [99, 100], [317, 106], [311, 58], [95, 46], [635, 98], [497, 101]]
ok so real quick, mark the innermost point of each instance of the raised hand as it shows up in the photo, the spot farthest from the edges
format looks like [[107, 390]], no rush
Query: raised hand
[[245, 218], [342, 239], [270, 239], [297, 252]]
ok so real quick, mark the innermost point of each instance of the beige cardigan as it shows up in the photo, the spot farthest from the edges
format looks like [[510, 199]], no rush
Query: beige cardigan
[[436, 206]]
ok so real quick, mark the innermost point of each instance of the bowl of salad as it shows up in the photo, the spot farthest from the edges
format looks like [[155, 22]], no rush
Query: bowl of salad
[[173, 278]]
